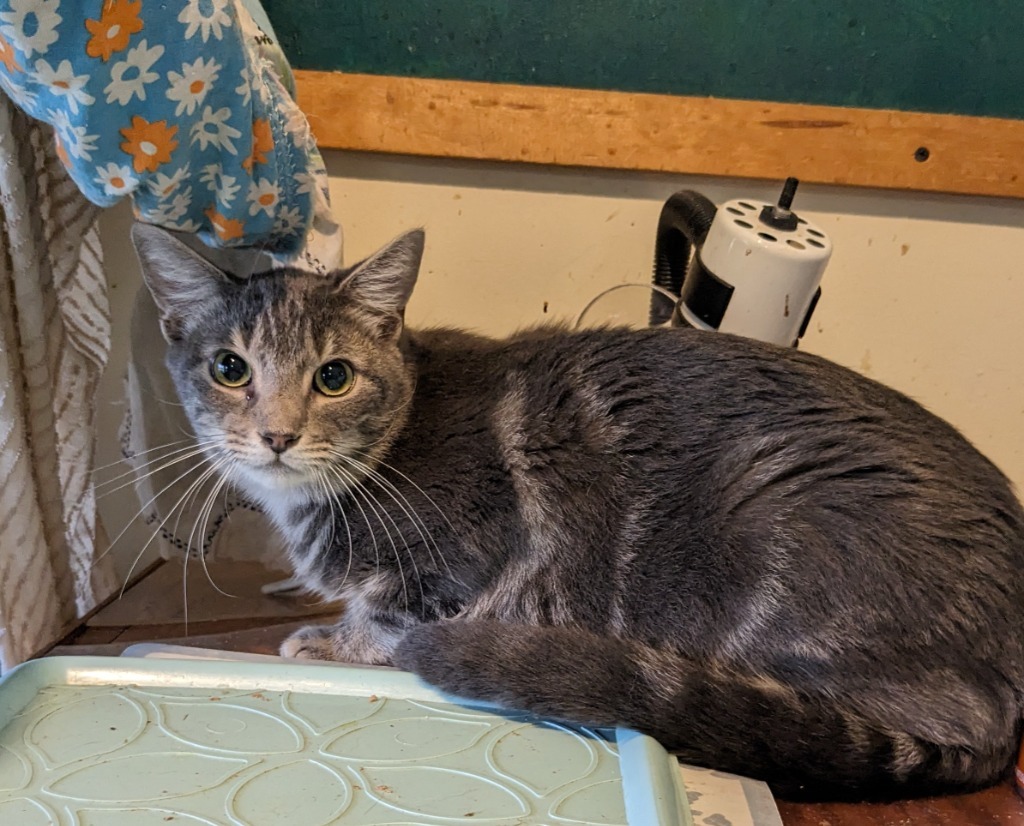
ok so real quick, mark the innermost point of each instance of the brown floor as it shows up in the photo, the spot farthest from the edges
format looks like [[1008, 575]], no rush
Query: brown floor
[[243, 619]]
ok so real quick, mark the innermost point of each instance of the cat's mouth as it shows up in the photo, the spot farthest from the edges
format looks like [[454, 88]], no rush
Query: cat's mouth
[[278, 466], [276, 474]]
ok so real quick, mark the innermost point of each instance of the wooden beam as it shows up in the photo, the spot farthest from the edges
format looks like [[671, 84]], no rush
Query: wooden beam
[[665, 133]]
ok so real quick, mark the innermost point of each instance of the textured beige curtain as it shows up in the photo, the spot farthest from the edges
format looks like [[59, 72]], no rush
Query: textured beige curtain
[[54, 340]]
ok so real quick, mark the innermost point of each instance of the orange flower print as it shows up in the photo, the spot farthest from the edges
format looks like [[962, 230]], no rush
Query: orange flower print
[[118, 21], [62, 152], [262, 142], [149, 144], [7, 57], [227, 229]]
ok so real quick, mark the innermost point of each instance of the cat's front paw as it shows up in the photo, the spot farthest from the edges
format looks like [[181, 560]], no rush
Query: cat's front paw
[[314, 642]]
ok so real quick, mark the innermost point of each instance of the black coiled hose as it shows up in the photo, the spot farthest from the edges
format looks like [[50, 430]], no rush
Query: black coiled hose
[[684, 223]]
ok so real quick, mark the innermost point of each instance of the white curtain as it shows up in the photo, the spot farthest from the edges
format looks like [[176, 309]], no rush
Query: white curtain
[[54, 340]]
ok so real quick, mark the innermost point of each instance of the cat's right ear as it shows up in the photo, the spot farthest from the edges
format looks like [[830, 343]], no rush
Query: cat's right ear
[[178, 277]]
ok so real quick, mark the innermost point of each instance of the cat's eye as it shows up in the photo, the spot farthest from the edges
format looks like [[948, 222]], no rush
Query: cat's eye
[[334, 378], [230, 369]]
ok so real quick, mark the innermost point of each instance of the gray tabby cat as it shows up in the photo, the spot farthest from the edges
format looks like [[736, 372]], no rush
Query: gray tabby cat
[[771, 564]]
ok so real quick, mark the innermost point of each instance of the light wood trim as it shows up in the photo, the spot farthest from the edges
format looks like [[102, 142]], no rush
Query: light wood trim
[[664, 133]]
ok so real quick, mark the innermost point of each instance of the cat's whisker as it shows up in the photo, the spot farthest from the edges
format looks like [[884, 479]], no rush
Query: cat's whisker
[[180, 455], [206, 512], [184, 580], [212, 471], [426, 496], [177, 461], [321, 483], [166, 402], [189, 502], [145, 467], [333, 498], [332, 501], [403, 502], [147, 503], [317, 479], [124, 459], [356, 487], [198, 482], [374, 502], [369, 528]]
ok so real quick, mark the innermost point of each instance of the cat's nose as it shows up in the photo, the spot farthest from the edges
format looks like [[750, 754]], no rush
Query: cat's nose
[[279, 442]]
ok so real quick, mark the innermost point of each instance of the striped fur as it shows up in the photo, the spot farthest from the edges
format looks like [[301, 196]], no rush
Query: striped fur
[[774, 565]]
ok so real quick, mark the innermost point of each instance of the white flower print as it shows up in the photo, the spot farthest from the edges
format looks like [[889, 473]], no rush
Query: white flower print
[[227, 190], [224, 185], [64, 83], [129, 77], [209, 176], [213, 129], [24, 97], [289, 221], [206, 17], [60, 120], [173, 211], [42, 20], [263, 196], [157, 215], [306, 181], [245, 87], [184, 226], [74, 139], [189, 87], [83, 145], [116, 180], [78, 144], [164, 185], [181, 203]]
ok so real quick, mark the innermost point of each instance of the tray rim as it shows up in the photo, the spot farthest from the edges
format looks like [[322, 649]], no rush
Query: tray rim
[[652, 787]]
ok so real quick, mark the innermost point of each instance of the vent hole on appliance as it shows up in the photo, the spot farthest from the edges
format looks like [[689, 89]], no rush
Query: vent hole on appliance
[[796, 244], [734, 211], [814, 243], [815, 233], [745, 205], [766, 236], [743, 224]]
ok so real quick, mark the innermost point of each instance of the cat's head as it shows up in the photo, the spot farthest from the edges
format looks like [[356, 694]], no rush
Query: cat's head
[[291, 380]]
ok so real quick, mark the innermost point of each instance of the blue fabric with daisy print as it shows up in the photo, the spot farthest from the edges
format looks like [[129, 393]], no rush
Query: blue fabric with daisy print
[[185, 106]]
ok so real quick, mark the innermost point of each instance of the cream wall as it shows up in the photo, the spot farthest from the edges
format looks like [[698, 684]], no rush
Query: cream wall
[[923, 292]]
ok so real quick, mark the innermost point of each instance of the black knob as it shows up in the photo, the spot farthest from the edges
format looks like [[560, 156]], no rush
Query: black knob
[[779, 217]]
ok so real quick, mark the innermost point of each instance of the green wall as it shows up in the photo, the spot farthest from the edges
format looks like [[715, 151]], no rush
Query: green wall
[[949, 56]]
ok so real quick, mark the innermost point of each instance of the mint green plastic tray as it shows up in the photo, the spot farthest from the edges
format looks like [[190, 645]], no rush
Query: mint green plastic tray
[[94, 741]]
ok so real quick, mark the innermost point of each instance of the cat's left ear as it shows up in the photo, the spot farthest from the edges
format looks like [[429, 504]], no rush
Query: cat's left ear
[[383, 283]]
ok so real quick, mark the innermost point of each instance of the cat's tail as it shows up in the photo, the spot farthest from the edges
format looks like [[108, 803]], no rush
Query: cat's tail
[[804, 743]]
